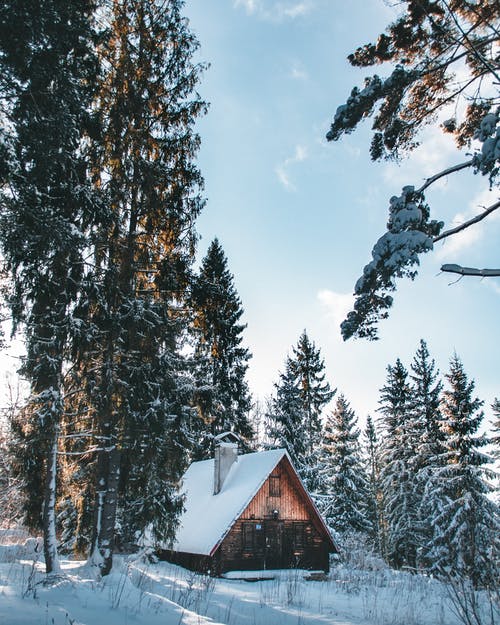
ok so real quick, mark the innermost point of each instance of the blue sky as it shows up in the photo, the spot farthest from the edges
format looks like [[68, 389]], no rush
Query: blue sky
[[297, 216]]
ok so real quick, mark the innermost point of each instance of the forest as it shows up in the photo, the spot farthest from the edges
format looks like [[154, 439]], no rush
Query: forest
[[135, 357]]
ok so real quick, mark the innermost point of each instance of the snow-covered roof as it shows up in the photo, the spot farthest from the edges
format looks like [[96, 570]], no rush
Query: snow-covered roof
[[207, 517]]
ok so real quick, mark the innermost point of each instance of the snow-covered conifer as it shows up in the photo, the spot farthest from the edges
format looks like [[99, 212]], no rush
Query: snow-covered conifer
[[131, 382], [295, 410], [397, 471], [220, 358], [466, 524], [424, 422], [372, 463], [48, 71], [344, 484]]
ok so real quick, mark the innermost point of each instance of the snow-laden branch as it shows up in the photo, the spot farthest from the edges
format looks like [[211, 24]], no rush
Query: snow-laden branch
[[466, 224], [471, 271]]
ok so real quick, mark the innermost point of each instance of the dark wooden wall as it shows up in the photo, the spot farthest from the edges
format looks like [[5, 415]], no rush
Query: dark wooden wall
[[278, 529], [275, 531]]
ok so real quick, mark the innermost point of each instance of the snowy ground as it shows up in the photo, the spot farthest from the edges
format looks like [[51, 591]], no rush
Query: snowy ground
[[143, 593]]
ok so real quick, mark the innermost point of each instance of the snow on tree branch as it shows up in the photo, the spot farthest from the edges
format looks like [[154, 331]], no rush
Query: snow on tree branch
[[425, 46], [471, 271]]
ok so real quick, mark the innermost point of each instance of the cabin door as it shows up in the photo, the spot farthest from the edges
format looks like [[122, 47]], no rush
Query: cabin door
[[273, 544]]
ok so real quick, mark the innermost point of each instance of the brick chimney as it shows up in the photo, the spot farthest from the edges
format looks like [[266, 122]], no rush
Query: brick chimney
[[226, 454]]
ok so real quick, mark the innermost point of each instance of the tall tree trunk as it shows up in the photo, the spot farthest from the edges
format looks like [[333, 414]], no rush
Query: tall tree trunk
[[49, 519], [108, 475]]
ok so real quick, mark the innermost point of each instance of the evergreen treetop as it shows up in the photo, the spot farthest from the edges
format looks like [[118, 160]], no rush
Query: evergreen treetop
[[221, 359]]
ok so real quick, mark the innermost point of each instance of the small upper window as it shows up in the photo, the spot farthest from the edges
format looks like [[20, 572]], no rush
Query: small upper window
[[275, 486]]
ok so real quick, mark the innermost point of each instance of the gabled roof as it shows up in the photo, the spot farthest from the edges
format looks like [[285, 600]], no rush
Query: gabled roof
[[207, 517]]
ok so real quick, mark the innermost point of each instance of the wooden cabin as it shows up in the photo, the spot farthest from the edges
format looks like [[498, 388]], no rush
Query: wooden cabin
[[248, 512]]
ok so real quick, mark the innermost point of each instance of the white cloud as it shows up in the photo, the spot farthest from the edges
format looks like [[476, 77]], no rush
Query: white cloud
[[465, 239], [436, 152], [336, 306], [275, 11], [282, 169]]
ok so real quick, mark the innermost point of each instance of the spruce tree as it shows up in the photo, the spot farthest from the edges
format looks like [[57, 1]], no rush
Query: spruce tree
[[221, 359], [398, 449], [372, 453], [134, 386], [425, 421], [296, 409], [48, 69], [466, 523], [495, 439], [344, 480]]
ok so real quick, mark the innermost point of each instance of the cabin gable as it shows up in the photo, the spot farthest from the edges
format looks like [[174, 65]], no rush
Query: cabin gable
[[259, 517], [279, 528]]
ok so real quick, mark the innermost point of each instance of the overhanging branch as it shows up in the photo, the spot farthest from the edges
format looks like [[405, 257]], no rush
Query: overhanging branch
[[471, 271], [466, 224], [445, 172]]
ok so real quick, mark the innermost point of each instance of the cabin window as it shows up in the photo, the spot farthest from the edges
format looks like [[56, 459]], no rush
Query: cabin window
[[299, 536], [275, 486], [252, 537], [248, 537]]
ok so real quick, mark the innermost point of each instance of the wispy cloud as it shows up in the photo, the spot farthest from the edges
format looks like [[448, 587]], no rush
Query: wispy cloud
[[436, 152], [452, 246], [336, 306], [274, 11], [282, 170]]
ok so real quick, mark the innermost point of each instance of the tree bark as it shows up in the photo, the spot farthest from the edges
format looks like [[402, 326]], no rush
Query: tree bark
[[49, 521], [108, 475]]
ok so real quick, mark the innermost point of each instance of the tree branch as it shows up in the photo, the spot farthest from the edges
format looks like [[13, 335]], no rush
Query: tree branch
[[471, 271], [443, 173], [466, 224]]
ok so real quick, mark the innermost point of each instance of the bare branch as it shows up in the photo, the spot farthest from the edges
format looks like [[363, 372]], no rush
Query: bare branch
[[470, 222], [443, 173], [471, 271]]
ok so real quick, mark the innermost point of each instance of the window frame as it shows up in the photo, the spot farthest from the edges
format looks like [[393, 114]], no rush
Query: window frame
[[275, 485]]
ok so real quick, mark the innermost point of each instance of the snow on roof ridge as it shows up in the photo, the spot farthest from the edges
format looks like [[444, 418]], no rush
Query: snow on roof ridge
[[207, 518]]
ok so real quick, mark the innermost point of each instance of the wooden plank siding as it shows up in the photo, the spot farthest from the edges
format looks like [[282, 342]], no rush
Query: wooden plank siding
[[278, 529]]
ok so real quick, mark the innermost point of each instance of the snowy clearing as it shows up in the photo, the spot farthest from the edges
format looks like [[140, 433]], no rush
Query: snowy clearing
[[144, 593]]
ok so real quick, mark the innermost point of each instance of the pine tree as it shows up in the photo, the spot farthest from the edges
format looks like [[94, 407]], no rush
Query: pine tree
[[425, 423], [398, 449], [221, 358], [372, 453], [133, 386], [296, 409], [495, 439], [48, 70], [344, 480], [466, 522]]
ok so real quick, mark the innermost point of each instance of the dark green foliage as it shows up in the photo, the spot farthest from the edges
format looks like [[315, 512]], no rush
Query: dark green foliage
[[221, 360], [344, 481], [398, 448], [134, 387], [48, 70], [466, 523], [295, 410], [374, 496]]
